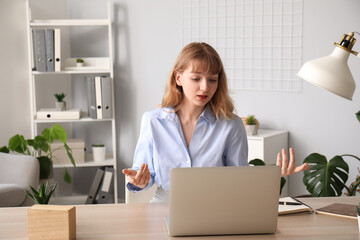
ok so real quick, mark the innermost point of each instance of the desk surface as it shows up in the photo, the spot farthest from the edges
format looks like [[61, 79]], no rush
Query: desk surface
[[146, 221]]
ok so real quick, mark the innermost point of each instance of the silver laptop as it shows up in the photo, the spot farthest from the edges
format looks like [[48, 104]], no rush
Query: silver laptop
[[223, 200]]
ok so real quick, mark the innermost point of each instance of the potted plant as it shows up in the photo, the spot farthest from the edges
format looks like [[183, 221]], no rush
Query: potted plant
[[60, 103], [79, 62], [41, 195], [251, 125], [99, 152], [328, 178], [40, 147]]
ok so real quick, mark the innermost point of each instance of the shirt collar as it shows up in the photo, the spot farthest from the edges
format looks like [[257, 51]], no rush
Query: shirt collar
[[169, 113]]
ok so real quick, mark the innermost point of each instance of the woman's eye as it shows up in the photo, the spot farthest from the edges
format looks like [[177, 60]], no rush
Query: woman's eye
[[213, 80], [195, 79]]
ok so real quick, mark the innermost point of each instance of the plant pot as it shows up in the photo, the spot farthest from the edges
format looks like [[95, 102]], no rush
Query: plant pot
[[358, 217], [79, 64], [251, 130], [60, 106], [99, 154]]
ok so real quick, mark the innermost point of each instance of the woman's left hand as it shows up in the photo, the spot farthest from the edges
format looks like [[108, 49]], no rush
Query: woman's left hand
[[288, 168]]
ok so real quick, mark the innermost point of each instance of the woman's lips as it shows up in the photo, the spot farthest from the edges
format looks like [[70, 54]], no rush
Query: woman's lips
[[202, 97]]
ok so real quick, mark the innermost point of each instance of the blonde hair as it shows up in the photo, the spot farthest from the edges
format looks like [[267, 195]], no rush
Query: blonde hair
[[208, 61]]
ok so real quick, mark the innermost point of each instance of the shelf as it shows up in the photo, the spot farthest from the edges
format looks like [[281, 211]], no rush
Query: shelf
[[83, 119], [107, 162], [98, 65], [68, 22], [98, 62], [74, 70]]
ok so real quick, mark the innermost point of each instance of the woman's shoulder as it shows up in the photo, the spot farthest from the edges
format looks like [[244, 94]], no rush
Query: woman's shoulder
[[158, 113], [234, 122]]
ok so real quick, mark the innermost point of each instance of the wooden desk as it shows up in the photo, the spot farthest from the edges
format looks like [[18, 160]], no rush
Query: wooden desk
[[146, 221]]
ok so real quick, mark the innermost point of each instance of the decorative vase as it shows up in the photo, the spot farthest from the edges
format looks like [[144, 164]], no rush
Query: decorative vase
[[60, 106], [99, 154], [251, 130]]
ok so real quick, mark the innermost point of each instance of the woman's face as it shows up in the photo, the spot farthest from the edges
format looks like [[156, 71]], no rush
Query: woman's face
[[198, 87]]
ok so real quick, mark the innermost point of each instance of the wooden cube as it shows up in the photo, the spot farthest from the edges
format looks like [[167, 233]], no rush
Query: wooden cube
[[51, 222]]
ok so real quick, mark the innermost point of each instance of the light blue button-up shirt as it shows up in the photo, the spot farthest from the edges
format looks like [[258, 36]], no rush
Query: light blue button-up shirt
[[162, 144]]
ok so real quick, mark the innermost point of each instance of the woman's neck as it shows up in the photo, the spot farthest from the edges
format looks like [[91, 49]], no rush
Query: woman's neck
[[189, 113]]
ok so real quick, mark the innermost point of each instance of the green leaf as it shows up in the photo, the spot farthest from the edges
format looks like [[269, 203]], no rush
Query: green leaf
[[325, 178], [45, 167], [35, 192], [46, 134], [4, 149], [18, 144], [358, 115], [30, 196], [58, 133], [257, 162], [39, 142], [66, 176], [69, 153]]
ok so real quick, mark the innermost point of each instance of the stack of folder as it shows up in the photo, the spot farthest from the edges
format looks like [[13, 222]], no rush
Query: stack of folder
[[100, 187], [99, 97], [46, 49]]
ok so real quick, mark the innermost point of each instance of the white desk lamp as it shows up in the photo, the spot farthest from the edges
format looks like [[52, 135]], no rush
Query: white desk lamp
[[332, 72]]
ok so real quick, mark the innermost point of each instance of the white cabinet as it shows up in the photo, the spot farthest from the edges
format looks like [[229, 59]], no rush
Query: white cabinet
[[266, 145], [77, 39]]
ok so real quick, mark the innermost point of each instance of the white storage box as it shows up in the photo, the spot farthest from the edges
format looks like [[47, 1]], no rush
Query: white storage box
[[78, 151]]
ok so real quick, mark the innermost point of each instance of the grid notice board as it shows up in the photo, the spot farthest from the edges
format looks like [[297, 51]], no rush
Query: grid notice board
[[259, 41]]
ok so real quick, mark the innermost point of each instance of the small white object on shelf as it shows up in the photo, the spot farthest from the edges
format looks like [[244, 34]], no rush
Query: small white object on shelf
[[55, 114], [99, 153]]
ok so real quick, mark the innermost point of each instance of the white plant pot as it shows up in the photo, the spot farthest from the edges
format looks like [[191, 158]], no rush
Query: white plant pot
[[79, 64], [251, 130], [99, 154], [358, 217], [60, 106]]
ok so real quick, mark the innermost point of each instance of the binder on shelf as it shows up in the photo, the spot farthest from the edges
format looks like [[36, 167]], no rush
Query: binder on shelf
[[55, 114], [49, 43], [39, 50], [57, 50], [106, 97], [95, 186], [98, 97], [104, 191], [90, 82]]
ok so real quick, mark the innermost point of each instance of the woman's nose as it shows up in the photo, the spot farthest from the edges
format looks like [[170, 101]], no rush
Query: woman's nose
[[203, 85]]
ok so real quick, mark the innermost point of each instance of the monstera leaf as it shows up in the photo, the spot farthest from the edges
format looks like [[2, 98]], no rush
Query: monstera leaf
[[325, 178]]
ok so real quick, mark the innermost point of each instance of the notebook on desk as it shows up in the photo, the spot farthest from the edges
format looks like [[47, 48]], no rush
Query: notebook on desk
[[223, 200]]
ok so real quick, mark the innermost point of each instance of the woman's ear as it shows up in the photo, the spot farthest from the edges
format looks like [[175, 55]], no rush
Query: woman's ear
[[177, 76]]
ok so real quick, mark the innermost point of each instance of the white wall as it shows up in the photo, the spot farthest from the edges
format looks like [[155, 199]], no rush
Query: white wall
[[14, 80], [317, 120], [147, 40]]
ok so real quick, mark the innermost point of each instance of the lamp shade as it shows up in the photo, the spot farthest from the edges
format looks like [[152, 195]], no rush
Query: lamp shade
[[331, 73]]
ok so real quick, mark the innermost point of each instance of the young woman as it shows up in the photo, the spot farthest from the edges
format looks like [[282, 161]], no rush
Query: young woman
[[195, 126]]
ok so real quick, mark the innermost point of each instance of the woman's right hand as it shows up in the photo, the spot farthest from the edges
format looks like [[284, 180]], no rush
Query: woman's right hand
[[138, 178]]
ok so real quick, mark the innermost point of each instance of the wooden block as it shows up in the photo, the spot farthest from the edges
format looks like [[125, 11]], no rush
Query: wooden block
[[51, 222]]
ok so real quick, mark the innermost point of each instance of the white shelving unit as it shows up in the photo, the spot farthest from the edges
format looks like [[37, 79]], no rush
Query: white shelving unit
[[67, 76]]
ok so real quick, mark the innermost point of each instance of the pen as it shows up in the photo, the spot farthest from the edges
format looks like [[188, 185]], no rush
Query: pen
[[289, 203]]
